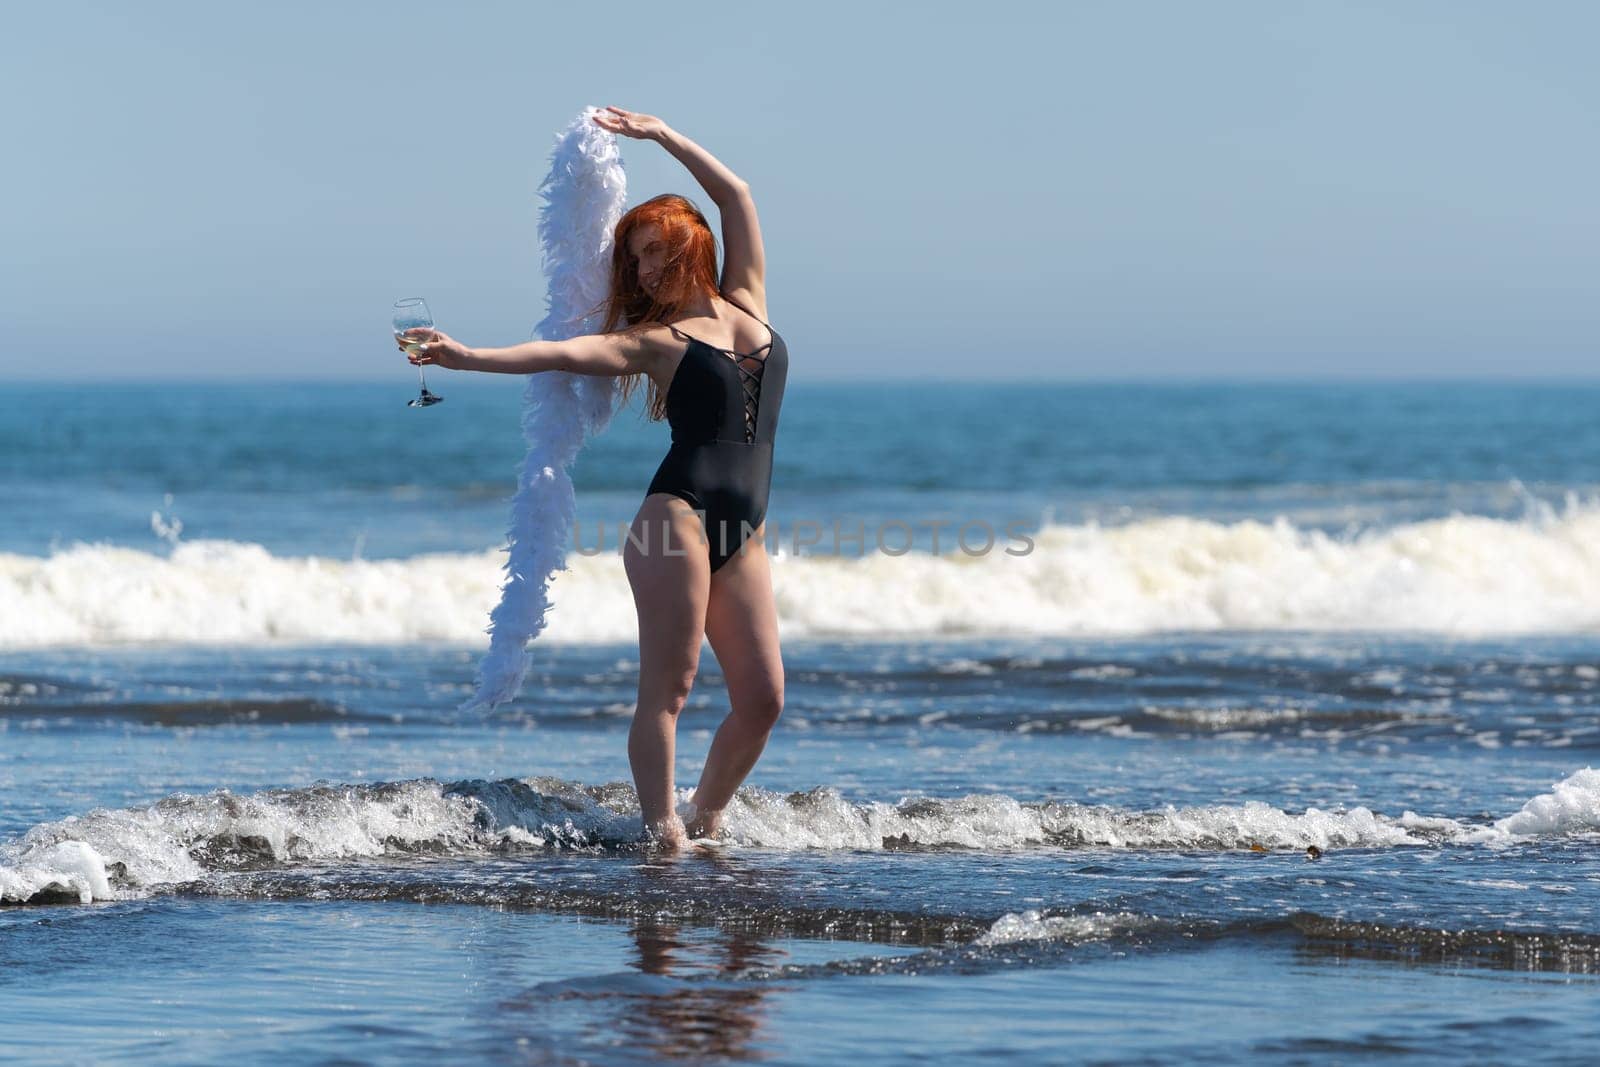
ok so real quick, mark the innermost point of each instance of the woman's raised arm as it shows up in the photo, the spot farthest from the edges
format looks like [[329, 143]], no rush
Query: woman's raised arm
[[720, 183], [744, 261]]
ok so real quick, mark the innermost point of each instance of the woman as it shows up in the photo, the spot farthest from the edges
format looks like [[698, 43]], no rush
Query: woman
[[696, 556]]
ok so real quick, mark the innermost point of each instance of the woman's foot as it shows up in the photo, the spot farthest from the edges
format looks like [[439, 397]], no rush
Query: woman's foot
[[668, 834], [705, 824]]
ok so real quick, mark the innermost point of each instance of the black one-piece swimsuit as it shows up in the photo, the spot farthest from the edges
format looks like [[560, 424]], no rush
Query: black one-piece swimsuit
[[723, 410]]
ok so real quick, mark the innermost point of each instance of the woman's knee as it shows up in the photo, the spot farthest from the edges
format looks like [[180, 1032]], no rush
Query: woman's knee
[[668, 689], [761, 710]]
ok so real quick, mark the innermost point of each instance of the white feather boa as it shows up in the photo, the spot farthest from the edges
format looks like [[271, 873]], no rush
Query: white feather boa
[[584, 197]]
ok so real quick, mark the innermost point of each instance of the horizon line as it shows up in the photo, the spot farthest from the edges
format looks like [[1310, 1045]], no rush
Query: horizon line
[[1162, 381]]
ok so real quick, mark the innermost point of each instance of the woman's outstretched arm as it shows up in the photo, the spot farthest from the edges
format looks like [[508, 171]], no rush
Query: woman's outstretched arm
[[591, 353], [744, 263]]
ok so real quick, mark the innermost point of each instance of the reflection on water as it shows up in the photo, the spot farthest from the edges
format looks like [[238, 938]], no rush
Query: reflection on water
[[684, 998], [700, 1019]]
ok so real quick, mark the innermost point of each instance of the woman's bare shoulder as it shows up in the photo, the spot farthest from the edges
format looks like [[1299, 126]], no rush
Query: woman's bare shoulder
[[653, 337], [657, 349]]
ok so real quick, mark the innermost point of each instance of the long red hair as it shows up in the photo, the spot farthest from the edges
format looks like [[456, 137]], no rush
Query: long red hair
[[688, 272]]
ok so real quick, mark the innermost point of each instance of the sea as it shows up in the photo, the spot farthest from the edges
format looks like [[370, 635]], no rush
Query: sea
[[1125, 723]]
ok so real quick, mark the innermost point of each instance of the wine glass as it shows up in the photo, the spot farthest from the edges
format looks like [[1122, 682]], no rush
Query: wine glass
[[409, 314]]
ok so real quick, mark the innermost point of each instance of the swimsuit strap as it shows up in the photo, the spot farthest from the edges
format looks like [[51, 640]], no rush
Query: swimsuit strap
[[771, 334], [687, 337]]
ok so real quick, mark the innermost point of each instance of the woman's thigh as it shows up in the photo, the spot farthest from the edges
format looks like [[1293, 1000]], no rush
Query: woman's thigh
[[668, 569], [741, 622]]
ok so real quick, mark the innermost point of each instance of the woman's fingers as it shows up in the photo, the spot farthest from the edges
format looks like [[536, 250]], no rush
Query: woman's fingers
[[433, 347], [420, 338]]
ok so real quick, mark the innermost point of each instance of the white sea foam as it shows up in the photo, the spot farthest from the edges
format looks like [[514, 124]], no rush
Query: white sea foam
[[822, 818], [111, 853], [1034, 925], [61, 871], [1572, 806], [183, 837], [1461, 575], [1227, 826]]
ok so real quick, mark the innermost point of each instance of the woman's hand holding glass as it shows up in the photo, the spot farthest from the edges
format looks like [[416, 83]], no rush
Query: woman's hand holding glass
[[428, 347]]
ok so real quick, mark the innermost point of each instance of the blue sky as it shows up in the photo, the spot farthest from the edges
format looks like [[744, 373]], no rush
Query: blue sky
[[1134, 191]]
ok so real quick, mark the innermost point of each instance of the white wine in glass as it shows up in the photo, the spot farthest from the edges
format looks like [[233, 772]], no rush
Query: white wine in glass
[[410, 314]]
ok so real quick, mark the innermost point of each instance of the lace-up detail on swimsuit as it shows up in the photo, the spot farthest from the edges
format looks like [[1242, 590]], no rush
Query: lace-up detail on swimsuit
[[749, 379], [724, 427]]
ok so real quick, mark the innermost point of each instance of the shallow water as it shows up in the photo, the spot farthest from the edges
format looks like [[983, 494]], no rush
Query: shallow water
[[372, 982], [1036, 849]]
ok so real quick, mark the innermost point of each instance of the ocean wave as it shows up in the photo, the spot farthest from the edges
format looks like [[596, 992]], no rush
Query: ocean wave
[[111, 853], [1520, 950], [1055, 935], [1459, 575], [209, 712], [1038, 925], [1572, 806]]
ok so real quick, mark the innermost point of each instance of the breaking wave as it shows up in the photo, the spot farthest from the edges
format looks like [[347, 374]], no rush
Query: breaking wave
[[1461, 575], [114, 853]]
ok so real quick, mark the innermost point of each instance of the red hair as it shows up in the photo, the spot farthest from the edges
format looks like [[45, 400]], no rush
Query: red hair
[[688, 272]]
